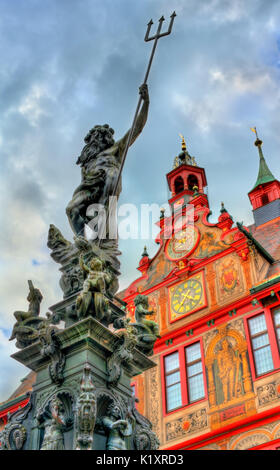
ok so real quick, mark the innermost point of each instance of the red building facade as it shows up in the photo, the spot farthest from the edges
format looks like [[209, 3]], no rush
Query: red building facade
[[215, 288]]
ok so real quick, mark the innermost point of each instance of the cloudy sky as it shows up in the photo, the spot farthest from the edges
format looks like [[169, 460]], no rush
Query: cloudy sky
[[67, 65]]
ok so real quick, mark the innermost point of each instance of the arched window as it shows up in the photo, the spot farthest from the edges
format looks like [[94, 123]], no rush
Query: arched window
[[179, 185], [265, 199], [192, 181]]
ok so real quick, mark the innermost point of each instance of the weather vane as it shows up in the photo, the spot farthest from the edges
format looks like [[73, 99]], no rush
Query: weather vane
[[254, 129], [258, 141]]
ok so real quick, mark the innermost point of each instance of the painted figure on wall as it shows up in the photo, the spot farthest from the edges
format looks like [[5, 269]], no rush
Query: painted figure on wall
[[229, 362], [228, 371], [209, 246]]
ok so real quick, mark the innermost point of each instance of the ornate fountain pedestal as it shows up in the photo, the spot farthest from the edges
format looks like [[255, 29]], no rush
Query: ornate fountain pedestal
[[82, 397]]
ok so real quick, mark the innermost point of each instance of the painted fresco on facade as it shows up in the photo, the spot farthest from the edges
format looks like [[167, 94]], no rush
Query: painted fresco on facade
[[210, 244], [158, 270], [228, 374], [229, 278]]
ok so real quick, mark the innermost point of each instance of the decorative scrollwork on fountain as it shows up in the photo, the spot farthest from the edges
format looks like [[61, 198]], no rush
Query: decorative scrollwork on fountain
[[143, 436], [51, 348], [14, 434], [122, 354]]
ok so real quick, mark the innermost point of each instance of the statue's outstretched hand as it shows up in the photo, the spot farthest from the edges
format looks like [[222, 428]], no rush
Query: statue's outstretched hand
[[143, 91]]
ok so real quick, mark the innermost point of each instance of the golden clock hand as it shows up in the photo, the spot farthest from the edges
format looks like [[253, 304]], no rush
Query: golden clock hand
[[181, 304], [185, 297], [190, 297]]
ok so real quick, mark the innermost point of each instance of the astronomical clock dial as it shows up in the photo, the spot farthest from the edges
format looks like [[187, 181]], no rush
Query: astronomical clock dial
[[187, 297], [182, 243]]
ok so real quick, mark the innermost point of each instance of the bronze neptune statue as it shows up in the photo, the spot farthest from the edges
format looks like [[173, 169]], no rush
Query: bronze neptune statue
[[100, 161]]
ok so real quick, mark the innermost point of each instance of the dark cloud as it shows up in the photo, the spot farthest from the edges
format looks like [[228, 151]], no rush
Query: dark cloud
[[28, 191]]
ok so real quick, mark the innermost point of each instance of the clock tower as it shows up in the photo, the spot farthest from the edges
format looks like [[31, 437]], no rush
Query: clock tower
[[186, 181]]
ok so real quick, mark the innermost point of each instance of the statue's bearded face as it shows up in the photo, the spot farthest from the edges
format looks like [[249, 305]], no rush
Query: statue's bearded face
[[99, 138]]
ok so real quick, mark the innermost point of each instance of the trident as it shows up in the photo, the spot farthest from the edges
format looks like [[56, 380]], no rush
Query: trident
[[154, 38]]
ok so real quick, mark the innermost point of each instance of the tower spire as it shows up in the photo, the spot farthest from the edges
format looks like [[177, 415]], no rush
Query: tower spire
[[184, 157], [264, 175], [184, 147]]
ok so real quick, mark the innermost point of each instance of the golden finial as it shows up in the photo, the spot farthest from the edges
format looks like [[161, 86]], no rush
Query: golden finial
[[184, 147]]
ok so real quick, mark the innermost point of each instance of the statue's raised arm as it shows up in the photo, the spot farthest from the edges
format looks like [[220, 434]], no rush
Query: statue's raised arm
[[140, 121]]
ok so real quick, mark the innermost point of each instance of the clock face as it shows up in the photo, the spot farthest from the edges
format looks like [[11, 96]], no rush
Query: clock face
[[187, 297], [182, 243]]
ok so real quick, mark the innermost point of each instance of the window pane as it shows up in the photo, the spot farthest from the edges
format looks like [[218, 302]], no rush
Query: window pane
[[260, 341], [171, 362], [172, 378], [193, 352], [277, 317], [195, 380], [172, 381], [263, 360], [257, 324], [173, 397], [194, 369], [196, 388], [261, 345]]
